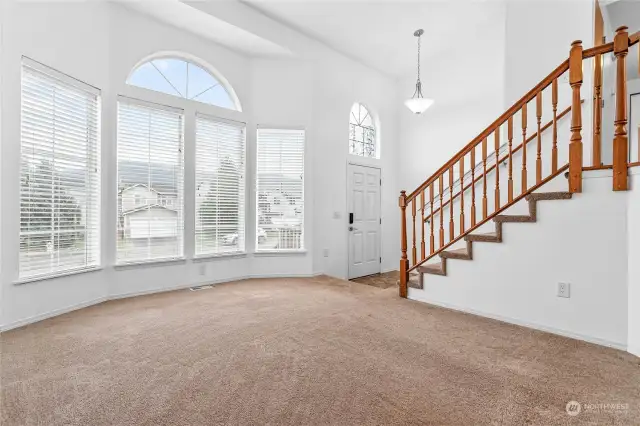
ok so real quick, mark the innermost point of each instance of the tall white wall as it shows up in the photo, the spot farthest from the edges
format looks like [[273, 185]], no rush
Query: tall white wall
[[99, 43], [467, 84]]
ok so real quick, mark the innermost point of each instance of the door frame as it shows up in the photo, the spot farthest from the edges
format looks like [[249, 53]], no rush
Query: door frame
[[361, 163]]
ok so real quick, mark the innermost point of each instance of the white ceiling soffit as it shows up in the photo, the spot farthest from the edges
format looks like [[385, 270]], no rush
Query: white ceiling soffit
[[185, 17], [379, 33]]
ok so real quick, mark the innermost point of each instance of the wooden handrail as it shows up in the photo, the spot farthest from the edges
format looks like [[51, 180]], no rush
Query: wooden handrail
[[502, 160], [560, 69]]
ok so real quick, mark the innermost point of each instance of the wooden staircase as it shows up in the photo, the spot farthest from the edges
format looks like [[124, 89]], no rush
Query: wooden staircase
[[430, 240]]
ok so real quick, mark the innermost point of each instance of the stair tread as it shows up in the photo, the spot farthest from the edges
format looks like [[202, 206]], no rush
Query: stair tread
[[487, 234], [433, 268], [554, 195], [514, 218], [458, 251]]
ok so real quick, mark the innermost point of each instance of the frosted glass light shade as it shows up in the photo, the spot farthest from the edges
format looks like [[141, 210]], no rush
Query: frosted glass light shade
[[418, 105]]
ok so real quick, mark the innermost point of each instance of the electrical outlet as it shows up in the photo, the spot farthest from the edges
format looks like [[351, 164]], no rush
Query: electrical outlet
[[564, 290], [325, 252], [203, 269]]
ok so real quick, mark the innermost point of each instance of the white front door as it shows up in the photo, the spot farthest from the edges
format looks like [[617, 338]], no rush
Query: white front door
[[363, 220]]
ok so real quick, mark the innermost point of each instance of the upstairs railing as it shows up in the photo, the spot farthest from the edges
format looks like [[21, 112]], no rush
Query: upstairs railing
[[535, 171]]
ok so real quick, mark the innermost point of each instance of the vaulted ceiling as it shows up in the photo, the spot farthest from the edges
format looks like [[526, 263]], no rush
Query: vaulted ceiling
[[380, 33]]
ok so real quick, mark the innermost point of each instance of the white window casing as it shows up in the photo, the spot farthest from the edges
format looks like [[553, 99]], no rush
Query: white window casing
[[280, 189], [150, 182], [59, 174], [220, 185]]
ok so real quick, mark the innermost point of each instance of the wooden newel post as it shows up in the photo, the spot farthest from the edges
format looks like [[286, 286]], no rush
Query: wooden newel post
[[575, 146], [404, 263], [620, 137]]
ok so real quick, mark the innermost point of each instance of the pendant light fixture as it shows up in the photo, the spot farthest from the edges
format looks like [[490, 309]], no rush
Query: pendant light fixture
[[418, 103]]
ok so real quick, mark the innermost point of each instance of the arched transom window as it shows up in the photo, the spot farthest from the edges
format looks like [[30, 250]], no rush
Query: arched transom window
[[184, 79], [362, 132]]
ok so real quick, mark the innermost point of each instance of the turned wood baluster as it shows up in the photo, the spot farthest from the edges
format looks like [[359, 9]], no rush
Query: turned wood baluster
[[441, 211], [596, 155], [575, 146], [497, 148], [473, 186], [539, 150], [422, 245], [554, 149], [620, 139], [414, 252], [451, 225], [484, 178], [510, 137], [524, 148], [462, 195], [431, 238], [404, 263]]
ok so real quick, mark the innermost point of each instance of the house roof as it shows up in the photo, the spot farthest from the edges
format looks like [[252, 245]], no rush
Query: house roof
[[142, 185], [147, 207]]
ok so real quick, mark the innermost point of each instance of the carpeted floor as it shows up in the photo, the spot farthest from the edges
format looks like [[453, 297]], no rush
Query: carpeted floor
[[303, 352]]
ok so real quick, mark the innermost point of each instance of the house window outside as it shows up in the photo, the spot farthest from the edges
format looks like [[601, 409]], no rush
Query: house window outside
[[150, 169], [184, 79], [59, 173], [280, 189], [362, 132]]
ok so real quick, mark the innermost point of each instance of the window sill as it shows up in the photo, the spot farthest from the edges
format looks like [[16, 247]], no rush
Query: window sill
[[268, 253], [208, 257], [57, 275], [149, 263]]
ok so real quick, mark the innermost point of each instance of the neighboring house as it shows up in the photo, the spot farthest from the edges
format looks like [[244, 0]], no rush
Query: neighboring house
[[147, 213]]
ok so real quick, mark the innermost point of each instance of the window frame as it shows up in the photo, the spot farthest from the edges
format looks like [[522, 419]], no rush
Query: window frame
[[375, 125], [169, 108], [64, 79], [276, 252], [191, 109], [228, 87], [245, 205]]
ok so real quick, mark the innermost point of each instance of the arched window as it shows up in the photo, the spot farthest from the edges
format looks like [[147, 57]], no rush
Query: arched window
[[184, 79], [362, 132]]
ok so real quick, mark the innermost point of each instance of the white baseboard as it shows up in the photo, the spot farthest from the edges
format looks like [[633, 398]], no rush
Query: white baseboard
[[535, 326], [56, 312], [51, 314]]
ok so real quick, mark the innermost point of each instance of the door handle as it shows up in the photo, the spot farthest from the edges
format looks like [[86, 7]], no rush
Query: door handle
[[352, 228]]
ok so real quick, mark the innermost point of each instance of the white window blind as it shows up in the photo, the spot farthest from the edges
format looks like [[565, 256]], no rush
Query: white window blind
[[220, 168], [280, 189], [59, 174], [150, 182]]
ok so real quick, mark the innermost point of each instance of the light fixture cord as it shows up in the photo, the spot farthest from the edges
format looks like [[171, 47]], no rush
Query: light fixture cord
[[419, 37]]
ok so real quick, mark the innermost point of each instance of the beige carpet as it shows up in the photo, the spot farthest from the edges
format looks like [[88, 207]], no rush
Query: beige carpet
[[303, 352]]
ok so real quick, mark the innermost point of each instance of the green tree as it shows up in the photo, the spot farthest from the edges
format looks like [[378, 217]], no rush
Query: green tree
[[46, 208], [220, 210]]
